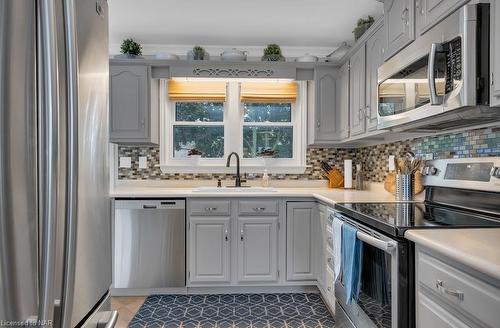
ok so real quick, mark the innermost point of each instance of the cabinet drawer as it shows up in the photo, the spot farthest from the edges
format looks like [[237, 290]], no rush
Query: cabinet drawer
[[330, 288], [464, 291], [210, 207], [258, 207]]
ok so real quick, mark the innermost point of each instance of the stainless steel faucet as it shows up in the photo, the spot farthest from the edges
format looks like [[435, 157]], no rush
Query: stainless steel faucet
[[237, 181]]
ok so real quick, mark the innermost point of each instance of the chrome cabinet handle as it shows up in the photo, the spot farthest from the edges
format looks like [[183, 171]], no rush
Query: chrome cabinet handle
[[259, 209], [329, 260], [329, 289], [420, 7], [360, 114], [226, 234], [210, 209], [241, 234], [452, 292], [368, 112], [318, 124], [404, 16], [143, 123]]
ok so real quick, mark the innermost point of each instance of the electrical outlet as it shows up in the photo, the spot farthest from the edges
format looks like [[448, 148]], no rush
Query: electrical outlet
[[429, 157], [126, 162], [392, 166], [143, 162]]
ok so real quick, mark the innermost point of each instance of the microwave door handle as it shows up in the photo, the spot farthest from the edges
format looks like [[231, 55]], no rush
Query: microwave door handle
[[431, 78], [386, 246]]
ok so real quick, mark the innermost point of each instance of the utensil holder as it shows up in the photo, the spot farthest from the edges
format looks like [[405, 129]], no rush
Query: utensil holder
[[405, 186]]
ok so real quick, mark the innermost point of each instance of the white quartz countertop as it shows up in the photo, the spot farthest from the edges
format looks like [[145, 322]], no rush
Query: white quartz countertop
[[326, 195], [475, 248]]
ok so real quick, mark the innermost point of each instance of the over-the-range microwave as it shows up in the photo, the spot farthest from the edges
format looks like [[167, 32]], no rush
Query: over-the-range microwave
[[441, 80]]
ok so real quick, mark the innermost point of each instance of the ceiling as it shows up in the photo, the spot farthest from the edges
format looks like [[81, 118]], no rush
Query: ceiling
[[305, 24]]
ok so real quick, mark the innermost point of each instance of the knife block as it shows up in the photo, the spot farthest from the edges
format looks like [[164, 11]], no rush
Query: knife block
[[335, 179]]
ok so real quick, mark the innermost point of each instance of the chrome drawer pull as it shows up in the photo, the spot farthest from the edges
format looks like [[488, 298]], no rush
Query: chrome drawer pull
[[226, 235], [241, 234], [452, 292], [259, 209], [210, 209]]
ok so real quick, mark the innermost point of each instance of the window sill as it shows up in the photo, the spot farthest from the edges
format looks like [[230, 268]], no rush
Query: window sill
[[231, 170]]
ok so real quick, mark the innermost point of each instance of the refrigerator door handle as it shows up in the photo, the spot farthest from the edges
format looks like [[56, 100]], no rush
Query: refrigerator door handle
[[48, 156], [72, 164]]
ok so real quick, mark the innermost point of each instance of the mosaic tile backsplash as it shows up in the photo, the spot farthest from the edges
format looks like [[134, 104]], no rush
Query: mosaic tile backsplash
[[374, 159]]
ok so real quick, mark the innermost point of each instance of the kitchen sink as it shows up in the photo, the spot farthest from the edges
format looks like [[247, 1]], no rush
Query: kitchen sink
[[234, 189]]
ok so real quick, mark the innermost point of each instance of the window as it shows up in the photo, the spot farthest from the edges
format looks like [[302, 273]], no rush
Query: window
[[261, 121]]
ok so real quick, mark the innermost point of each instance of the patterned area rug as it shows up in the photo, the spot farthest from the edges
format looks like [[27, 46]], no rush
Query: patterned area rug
[[234, 310]]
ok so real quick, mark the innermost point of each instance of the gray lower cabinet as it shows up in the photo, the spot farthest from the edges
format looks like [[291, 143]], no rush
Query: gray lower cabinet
[[134, 108], [495, 53], [209, 245], [258, 249], [300, 240], [399, 24], [327, 122], [449, 294], [375, 49], [430, 12], [357, 84]]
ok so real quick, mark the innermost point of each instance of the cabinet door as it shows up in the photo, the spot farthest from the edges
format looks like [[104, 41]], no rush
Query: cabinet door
[[300, 240], [495, 53], [375, 48], [209, 249], [129, 103], [399, 24], [258, 249], [432, 314], [430, 12], [321, 246], [343, 100], [357, 83], [329, 123]]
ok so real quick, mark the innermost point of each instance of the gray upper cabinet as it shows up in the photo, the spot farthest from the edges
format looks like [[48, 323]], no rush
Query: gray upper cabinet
[[342, 102], [327, 123], [133, 105], [357, 84], [399, 24], [375, 48], [495, 54], [430, 12]]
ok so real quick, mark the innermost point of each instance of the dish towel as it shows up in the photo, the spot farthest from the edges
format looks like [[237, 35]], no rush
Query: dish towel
[[352, 249], [337, 246]]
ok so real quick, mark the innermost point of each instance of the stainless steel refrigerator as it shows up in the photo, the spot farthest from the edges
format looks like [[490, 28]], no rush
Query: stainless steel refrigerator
[[55, 227]]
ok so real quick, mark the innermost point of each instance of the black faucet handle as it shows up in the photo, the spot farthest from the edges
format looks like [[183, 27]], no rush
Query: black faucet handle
[[219, 183]]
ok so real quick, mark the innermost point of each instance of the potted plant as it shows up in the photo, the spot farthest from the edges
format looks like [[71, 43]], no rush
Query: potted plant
[[362, 26], [273, 53], [198, 53], [194, 154], [267, 154], [131, 49]]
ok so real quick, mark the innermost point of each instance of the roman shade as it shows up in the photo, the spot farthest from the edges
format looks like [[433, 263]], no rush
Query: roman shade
[[196, 91], [268, 92]]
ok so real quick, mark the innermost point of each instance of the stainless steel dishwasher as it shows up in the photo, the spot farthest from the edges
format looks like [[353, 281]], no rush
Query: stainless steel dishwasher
[[149, 243]]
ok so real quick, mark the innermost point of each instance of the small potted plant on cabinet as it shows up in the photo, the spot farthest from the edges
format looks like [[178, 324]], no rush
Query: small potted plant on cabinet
[[198, 53], [130, 49], [273, 53], [362, 26], [194, 154]]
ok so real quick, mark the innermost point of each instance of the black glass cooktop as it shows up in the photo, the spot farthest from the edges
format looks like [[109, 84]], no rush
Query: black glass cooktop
[[396, 218]]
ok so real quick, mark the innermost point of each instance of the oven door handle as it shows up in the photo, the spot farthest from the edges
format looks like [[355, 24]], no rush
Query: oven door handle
[[431, 78], [386, 246]]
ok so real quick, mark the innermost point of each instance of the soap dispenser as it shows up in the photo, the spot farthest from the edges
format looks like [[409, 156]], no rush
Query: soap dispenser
[[265, 179]]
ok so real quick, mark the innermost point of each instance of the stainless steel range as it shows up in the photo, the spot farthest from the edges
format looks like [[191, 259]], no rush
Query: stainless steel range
[[460, 193]]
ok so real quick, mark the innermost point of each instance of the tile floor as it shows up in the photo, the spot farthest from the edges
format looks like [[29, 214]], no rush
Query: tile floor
[[127, 307], [225, 310]]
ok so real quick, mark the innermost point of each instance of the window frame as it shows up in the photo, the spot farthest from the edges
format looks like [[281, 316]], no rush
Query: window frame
[[233, 137]]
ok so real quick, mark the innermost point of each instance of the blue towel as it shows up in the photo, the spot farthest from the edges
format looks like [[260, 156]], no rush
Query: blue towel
[[352, 249]]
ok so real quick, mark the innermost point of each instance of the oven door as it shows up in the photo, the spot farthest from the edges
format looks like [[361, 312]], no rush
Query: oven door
[[379, 297]]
